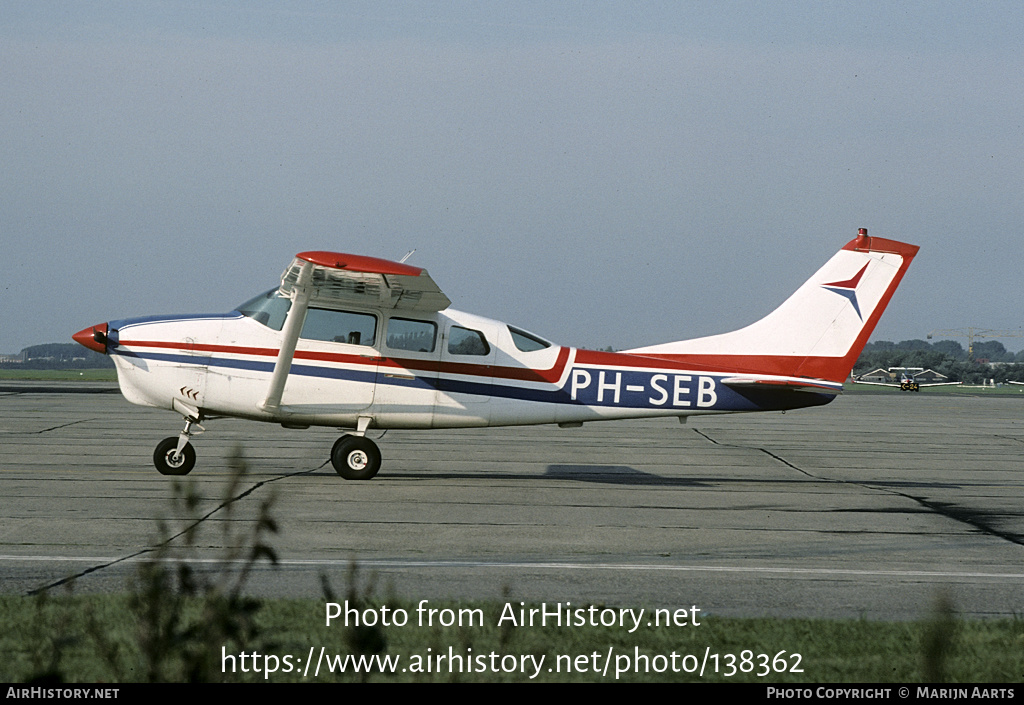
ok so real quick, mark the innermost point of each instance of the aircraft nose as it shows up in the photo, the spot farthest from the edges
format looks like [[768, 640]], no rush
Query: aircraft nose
[[93, 337]]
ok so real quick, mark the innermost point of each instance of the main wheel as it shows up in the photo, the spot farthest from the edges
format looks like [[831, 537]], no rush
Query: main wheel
[[167, 464], [355, 457]]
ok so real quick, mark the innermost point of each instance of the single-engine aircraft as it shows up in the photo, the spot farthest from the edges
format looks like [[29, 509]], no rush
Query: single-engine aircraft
[[907, 383], [359, 343]]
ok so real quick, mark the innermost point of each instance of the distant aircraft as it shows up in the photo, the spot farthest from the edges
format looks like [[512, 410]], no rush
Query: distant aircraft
[[361, 343], [908, 383]]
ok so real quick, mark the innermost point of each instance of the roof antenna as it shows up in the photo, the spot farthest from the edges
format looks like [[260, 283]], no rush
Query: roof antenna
[[407, 256]]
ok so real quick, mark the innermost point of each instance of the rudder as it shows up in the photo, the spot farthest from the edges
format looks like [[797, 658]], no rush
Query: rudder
[[820, 330]]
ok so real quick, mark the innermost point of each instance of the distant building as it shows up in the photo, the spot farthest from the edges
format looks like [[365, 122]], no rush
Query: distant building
[[930, 376], [893, 374], [879, 375]]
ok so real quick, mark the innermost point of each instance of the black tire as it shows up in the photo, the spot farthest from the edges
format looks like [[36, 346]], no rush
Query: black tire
[[355, 457], [162, 457]]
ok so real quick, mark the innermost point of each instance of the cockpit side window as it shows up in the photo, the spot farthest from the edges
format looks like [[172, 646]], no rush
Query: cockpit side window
[[269, 308], [407, 334], [527, 342], [463, 341], [339, 326]]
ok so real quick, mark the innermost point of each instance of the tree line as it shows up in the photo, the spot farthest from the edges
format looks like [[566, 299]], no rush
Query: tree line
[[947, 357], [58, 356]]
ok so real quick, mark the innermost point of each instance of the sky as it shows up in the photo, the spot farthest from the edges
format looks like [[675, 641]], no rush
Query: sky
[[601, 173]]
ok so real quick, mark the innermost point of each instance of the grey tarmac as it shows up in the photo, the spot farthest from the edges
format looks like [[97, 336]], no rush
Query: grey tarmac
[[872, 506]]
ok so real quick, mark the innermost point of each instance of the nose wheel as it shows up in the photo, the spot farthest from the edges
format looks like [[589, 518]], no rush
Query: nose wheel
[[175, 455], [169, 461], [355, 457]]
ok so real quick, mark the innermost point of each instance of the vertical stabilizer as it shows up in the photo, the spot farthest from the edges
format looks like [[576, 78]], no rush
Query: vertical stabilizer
[[820, 330]]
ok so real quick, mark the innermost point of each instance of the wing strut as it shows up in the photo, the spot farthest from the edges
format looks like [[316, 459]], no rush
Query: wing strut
[[301, 292]]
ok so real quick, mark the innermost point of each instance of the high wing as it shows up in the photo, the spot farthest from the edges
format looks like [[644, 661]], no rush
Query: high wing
[[336, 277]]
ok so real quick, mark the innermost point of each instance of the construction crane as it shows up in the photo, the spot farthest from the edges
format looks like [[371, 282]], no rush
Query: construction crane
[[973, 334]]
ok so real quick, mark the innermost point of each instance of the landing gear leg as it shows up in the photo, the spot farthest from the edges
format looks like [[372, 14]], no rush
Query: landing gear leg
[[175, 455]]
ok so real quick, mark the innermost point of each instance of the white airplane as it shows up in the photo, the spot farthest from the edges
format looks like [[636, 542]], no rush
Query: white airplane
[[361, 343], [908, 383]]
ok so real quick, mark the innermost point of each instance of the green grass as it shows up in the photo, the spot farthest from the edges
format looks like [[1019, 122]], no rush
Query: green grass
[[99, 375], [93, 638], [1011, 390]]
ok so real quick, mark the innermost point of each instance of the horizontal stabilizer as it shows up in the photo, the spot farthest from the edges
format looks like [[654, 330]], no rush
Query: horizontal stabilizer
[[782, 385]]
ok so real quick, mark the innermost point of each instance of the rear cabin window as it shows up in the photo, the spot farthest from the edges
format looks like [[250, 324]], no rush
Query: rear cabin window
[[463, 341], [407, 334], [339, 326], [269, 308], [527, 342]]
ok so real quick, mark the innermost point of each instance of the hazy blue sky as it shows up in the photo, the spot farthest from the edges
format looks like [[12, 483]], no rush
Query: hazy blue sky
[[603, 173]]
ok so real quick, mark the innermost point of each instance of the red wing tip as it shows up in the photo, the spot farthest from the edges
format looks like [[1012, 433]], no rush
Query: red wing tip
[[359, 263]]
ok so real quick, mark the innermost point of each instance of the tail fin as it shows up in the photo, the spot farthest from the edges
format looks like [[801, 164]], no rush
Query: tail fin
[[820, 330]]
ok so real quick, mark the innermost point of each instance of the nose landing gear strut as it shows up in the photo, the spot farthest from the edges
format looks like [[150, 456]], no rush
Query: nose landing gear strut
[[175, 455]]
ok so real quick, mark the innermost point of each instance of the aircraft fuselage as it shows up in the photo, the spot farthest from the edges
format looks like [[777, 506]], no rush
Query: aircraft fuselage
[[466, 371]]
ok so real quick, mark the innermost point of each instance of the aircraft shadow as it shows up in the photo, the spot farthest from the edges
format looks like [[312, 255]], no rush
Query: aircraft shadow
[[603, 474], [614, 475]]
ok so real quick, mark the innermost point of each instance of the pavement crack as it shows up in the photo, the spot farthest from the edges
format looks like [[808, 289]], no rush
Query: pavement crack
[[706, 436], [170, 539], [975, 520], [798, 469], [961, 514], [1011, 438], [45, 430], [950, 511]]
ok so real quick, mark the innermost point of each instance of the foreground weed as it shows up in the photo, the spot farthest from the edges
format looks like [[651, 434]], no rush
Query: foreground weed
[[182, 611], [939, 639], [361, 639], [187, 614]]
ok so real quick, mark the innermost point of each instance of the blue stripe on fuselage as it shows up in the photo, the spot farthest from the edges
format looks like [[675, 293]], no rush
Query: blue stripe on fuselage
[[172, 318], [633, 389]]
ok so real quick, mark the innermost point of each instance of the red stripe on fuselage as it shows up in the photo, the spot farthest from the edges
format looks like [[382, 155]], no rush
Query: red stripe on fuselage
[[525, 374], [782, 365], [728, 364]]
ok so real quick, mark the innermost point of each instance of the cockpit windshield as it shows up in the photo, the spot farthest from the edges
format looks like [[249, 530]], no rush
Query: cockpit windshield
[[269, 308]]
